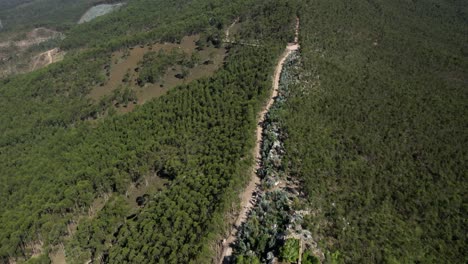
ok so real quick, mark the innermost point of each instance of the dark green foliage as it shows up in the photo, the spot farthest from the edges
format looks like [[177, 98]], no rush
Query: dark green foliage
[[269, 20], [37, 193], [144, 20], [309, 258], [43, 46], [123, 96], [155, 64], [247, 260], [54, 163], [42, 259], [377, 128], [266, 21], [263, 233], [94, 236], [266, 222], [204, 166], [290, 250]]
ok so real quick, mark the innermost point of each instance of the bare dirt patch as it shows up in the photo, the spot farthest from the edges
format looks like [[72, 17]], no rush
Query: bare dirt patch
[[231, 33], [124, 66], [247, 196], [46, 58], [58, 256], [34, 37], [19, 52]]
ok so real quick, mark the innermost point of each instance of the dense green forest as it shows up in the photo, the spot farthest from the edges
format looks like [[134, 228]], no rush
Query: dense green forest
[[377, 128], [204, 165], [55, 163]]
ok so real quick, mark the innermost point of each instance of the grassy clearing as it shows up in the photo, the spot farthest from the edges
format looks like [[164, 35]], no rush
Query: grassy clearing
[[124, 70]]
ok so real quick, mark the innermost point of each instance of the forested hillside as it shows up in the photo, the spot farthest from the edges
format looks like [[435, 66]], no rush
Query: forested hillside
[[31, 31], [68, 162], [374, 127], [377, 128]]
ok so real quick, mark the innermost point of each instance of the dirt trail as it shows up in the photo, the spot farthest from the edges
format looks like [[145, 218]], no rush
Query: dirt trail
[[248, 198], [46, 58], [49, 55], [227, 32], [227, 38]]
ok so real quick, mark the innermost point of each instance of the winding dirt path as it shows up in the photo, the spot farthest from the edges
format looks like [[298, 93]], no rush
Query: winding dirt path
[[45, 58], [248, 198], [49, 56], [227, 39], [227, 32]]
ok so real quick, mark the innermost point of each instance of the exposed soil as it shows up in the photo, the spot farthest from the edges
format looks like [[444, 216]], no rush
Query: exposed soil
[[230, 30], [34, 37], [247, 196], [46, 58], [123, 62], [16, 56], [58, 257]]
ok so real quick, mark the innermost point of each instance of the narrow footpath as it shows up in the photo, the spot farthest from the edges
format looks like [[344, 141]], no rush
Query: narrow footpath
[[248, 195]]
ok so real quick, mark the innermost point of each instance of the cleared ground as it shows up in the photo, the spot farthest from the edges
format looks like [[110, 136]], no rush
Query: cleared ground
[[22, 52], [126, 62]]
